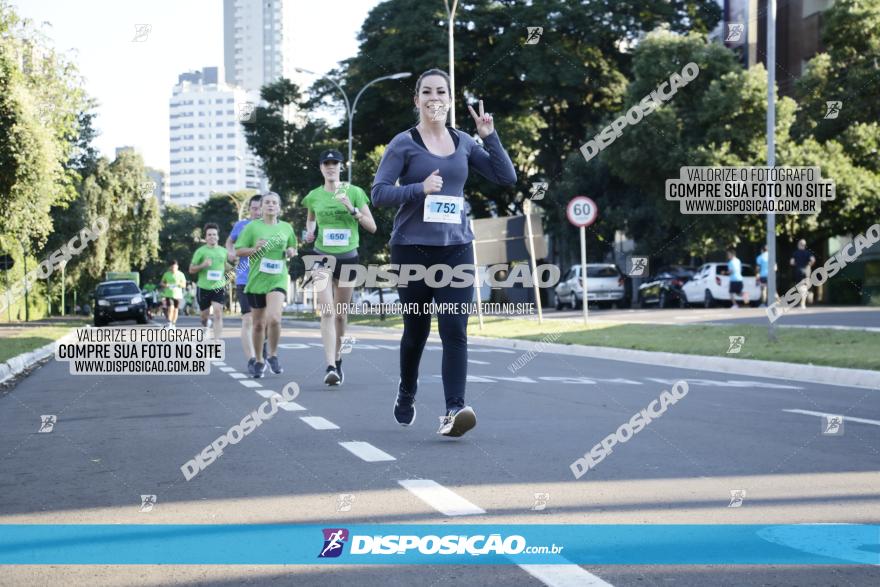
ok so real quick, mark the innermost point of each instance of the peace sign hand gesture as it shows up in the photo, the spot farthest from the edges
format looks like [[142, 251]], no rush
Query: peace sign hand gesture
[[484, 123]]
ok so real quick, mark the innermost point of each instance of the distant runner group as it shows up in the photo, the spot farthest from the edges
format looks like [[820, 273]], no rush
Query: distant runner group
[[422, 173]]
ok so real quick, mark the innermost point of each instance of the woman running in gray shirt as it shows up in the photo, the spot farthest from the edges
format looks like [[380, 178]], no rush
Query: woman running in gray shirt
[[423, 173]]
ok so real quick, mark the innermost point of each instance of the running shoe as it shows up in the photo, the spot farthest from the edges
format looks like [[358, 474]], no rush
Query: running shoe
[[339, 370], [457, 421], [251, 362], [404, 408], [274, 365], [332, 377], [259, 369]]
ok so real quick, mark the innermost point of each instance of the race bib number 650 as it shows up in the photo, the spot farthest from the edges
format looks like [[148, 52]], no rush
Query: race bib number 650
[[446, 209]]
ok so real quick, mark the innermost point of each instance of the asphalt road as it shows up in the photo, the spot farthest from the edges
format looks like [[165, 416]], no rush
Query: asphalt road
[[118, 437]]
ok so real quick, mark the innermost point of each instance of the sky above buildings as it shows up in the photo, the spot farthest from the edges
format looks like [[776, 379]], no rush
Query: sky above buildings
[[130, 71]]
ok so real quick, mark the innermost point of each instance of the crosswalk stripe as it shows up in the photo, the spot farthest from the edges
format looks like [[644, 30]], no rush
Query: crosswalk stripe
[[249, 383], [440, 498], [238, 375], [319, 423], [845, 418], [227, 369], [291, 407], [366, 451], [570, 575]]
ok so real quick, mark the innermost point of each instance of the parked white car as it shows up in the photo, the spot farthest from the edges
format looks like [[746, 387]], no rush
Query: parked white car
[[605, 285], [710, 285], [371, 298]]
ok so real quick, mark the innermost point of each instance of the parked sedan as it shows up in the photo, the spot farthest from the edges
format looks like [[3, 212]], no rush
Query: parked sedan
[[711, 285], [664, 288], [605, 285], [119, 300]]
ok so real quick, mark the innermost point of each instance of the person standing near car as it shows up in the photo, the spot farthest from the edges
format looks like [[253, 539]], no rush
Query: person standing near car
[[340, 210], [763, 262], [423, 172], [209, 263], [801, 262], [173, 282], [734, 270]]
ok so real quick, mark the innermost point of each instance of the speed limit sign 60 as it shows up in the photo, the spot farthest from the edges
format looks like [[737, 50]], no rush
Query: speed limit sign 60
[[581, 211]]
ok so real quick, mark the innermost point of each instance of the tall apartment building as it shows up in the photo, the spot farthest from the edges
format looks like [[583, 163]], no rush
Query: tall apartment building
[[256, 41], [798, 34], [209, 152]]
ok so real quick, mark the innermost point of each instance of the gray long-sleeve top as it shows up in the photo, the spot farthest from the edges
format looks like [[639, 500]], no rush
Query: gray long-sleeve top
[[409, 162]]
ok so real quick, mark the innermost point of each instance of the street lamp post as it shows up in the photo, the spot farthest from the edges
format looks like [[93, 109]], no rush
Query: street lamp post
[[451, 15], [350, 109]]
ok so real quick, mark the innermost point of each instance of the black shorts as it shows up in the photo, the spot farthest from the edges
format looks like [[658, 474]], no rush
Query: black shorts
[[206, 296], [242, 300], [337, 268], [736, 287], [171, 302], [762, 280], [258, 301]]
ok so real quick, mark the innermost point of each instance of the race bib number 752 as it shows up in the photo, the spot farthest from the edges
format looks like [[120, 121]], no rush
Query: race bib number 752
[[446, 209]]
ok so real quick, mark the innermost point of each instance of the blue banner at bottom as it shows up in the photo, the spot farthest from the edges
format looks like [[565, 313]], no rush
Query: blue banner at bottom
[[142, 544]]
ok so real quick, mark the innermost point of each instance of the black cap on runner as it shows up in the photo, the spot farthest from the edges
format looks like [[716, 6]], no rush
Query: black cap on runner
[[330, 155]]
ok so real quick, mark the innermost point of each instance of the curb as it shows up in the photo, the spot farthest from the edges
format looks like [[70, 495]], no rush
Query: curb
[[820, 374], [24, 361]]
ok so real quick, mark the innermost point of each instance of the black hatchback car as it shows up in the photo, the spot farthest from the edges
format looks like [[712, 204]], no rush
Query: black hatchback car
[[664, 288], [119, 300]]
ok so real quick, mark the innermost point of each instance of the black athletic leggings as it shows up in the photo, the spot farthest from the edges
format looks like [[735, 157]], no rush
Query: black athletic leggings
[[452, 325]]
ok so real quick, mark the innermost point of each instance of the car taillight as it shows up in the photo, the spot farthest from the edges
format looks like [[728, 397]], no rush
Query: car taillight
[[717, 280], [620, 280], [676, 282]]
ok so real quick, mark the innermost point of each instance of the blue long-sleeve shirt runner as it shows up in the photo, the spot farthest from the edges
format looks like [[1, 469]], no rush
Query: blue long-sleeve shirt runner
[[407, 161]]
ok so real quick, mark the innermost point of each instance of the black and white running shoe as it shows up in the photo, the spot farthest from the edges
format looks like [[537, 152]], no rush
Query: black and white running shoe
[[331, 377], [457, 421], [274, 365], [339, 370]]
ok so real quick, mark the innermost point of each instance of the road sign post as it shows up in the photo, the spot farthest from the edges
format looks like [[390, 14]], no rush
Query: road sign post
[[582, 212], [477, 277]]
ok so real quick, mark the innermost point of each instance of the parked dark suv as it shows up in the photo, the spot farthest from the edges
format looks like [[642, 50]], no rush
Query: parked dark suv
[[664, 288], [119, 300]]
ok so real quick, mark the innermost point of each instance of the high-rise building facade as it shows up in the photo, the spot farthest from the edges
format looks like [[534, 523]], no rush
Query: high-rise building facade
[[256, 41], [209, 152]]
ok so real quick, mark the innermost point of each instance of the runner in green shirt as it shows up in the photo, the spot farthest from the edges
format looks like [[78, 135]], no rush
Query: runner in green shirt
[[173, 282], [340, 209], [267, 243], [209, 262]]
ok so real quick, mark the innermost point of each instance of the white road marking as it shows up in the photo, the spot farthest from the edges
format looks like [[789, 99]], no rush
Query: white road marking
[[319, 423], [227, 369], [845, 418], [238, 375], [291, 407], [249, 383], [475, 362], [563, 575], [441, 499], [266, 393], [366, 451], [218, 363]]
